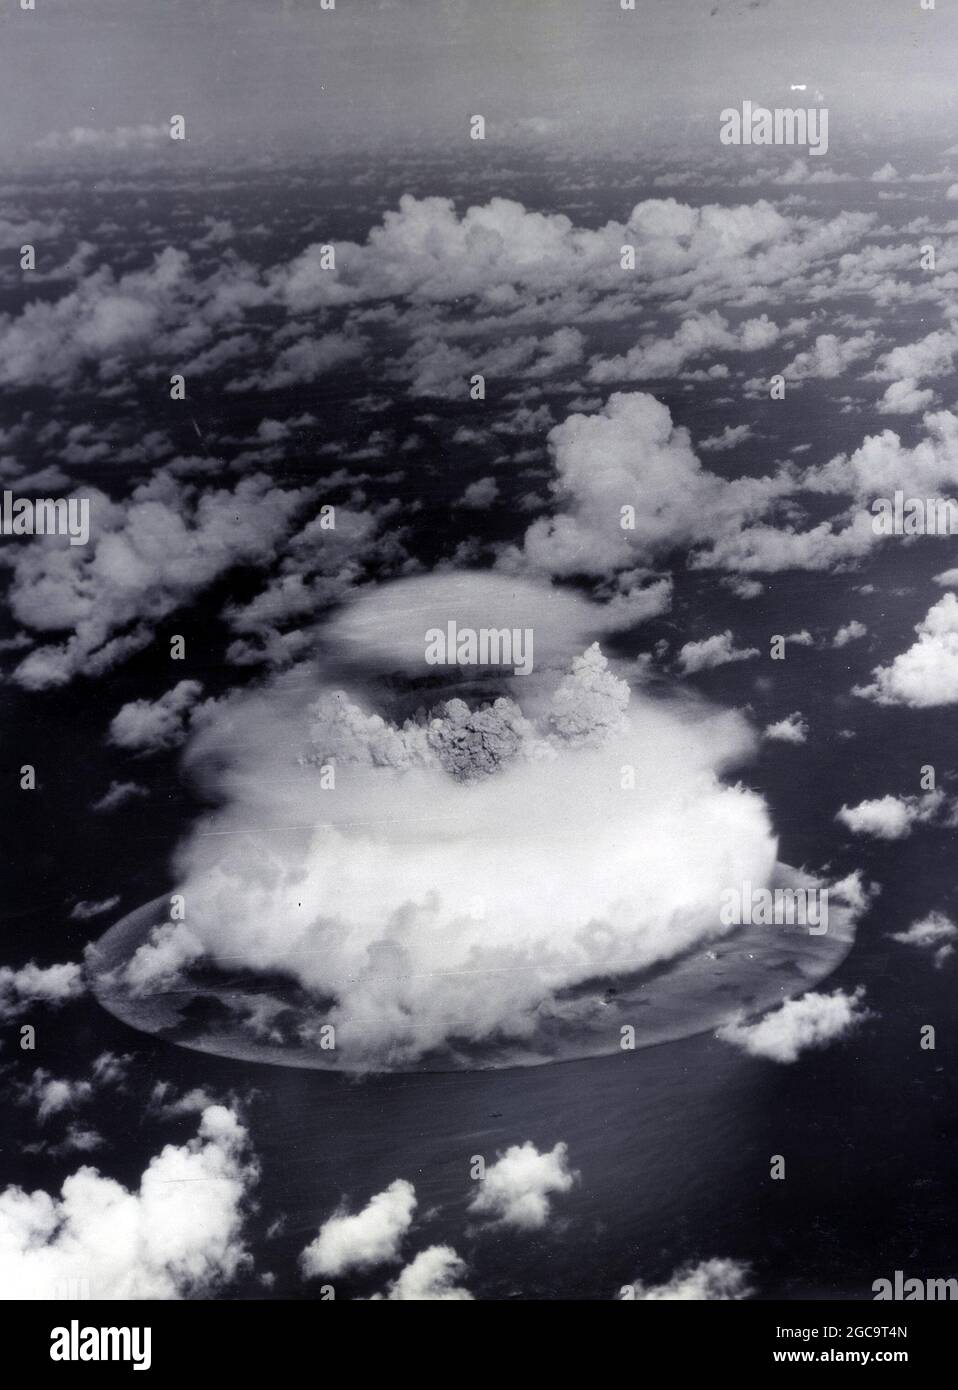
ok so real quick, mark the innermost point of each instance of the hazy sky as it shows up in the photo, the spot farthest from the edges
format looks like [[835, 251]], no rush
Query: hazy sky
[[262, 71]]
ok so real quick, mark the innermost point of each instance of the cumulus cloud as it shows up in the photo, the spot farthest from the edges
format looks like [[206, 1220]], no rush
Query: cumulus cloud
[[935, 933], [78, 1139], [110, 1068], [891, 817], [697, 335], [717, 650], [518, 1188], [849, 632], [743, 588], [792, 729], [431, 1277], [146, 558], [370, 1237], [828, 357], [165, 1102], [714, 1280], [105, 323], [927, 673], [931, 356], [53, 985], [905, 398], [51, 1094], [517, 270], [149, 726], [480, 494], [424, 251], [799, 1025], [178, 1235], [730, 438], [303, 362], [629, 490]]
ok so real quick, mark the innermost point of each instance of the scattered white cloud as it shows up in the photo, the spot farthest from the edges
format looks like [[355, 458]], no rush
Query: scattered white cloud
[[165, 1102], [849, 632], [717, 650], [518, 1188], [145, 559], [792, 729], [51, 1094], [927, 673], [891, 817], [799, 1025], [149, 726], [714, 1280], [936, 933], [480, 494], [730, 438], [51, 984], [431, 1277], [370, 1237], [179, 1235]]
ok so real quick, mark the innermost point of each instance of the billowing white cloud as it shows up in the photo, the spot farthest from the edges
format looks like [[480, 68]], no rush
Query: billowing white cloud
[[370, 1237], [717, 650], [849, 632], [145, 559], [936, 933], [629, 490], [165, 1102], [713, 1280], [148, 726], [730, 438], [431, 1277], [905, 398], [51, 984], [792, 729], [799, 1025], [891, 817], [51, 1094], [927, 673], [518, 1188], [664, 357], [179, 1235], [828, 357]]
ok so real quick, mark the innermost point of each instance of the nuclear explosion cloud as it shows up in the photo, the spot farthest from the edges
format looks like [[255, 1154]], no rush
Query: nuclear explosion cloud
[[482, 873]]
